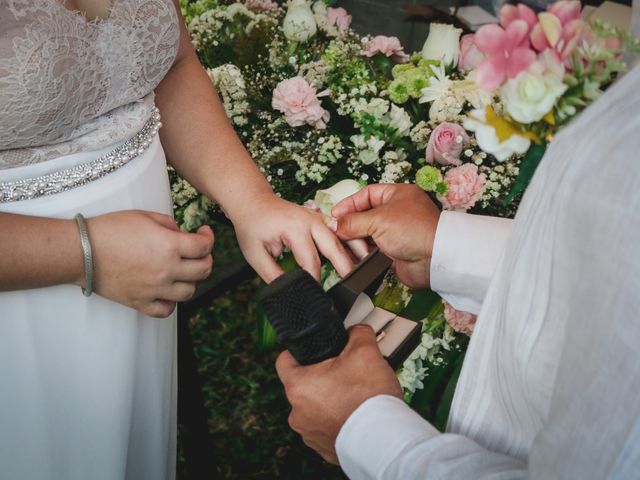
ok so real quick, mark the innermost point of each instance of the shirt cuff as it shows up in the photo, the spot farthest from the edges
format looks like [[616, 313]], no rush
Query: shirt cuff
[[466, 251], [375, 435]]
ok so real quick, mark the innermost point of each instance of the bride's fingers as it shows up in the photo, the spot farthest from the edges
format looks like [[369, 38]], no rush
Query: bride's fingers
[[333, 250], [305, 252], [179, 292], [194, 270], [263, 263], [359, 247], [159, 308]]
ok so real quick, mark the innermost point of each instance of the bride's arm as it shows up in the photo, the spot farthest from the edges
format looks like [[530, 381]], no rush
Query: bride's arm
[[203, 147], [39, 252], [141, 259]]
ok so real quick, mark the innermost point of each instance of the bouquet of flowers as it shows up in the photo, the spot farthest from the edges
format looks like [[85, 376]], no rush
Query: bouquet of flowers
[[467, 119]]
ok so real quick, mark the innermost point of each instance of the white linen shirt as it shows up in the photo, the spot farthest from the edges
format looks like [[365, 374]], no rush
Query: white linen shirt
[[550, 386]]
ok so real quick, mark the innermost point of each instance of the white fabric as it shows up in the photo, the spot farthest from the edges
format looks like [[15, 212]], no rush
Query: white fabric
[[549, 386], [69, 85], [87, 386], [466, 251]]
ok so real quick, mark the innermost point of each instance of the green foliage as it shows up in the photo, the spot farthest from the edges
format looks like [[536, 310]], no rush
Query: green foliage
[[528, 167]]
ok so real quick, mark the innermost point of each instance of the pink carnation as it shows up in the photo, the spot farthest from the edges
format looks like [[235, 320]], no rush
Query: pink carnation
[[260, 5], [446, 143], [340, 18], [470, 55], [465, 186], [462, 322], [299, 103], [389, 46]]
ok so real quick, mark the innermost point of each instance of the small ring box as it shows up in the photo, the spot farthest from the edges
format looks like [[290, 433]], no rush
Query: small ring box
[[397, 336]]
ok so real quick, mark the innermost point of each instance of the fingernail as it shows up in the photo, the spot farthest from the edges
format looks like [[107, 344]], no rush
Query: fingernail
[[331, 223]]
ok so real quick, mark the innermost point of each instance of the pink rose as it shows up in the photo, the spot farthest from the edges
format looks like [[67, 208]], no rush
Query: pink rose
[[299, 103], [465, 186], [462, 322], [260, 5], [470, 54], [389, 46], [446, 144], [340, 18]]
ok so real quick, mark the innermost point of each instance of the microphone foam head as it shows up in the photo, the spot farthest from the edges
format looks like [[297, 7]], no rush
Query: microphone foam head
[[303, 317]]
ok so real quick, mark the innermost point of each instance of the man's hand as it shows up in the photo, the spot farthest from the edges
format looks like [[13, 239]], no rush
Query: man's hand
[[401, 220], [324, 395]]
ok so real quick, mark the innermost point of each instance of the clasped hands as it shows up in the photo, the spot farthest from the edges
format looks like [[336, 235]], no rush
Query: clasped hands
[[401, 221]]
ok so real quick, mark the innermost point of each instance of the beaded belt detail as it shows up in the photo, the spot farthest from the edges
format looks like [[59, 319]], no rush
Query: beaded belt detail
[[63, 180]]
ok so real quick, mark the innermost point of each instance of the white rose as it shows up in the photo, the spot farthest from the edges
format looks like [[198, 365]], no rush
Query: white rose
[[400, 120], [534, 92], [330, 197], [443, 43], [488, 140], [299, 25]]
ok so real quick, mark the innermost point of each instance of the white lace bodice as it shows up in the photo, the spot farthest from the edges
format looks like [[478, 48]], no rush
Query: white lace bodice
[[69, 85]]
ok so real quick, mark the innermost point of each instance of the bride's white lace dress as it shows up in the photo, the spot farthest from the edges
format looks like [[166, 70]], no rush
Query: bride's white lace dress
[[87, 386]]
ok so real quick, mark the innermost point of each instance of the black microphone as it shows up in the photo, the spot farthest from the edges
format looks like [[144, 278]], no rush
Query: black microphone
[[304, 318]]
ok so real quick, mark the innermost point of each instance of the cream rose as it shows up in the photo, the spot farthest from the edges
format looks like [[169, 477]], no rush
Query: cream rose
[[443, 43], [488, 140], [299, 24], [534, 92], [328, 198]]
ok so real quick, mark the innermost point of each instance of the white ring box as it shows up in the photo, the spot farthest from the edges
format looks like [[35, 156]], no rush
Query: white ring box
[[397, 336]]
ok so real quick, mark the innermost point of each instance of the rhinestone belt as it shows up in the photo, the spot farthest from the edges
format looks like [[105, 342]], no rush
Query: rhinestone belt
[[63, 180]]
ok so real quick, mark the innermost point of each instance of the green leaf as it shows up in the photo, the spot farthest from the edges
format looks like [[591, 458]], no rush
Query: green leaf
[[528, 167]]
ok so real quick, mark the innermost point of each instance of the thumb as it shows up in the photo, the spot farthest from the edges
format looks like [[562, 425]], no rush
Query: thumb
[[361, 336], [357, 225], [207, 231], [369, 197]]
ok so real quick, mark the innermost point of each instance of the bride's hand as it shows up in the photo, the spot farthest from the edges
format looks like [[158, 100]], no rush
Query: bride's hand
[[144, 261], [268, 224]]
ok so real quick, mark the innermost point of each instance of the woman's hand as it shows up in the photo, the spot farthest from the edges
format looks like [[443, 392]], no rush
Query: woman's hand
[[268, 224], [143, 260]]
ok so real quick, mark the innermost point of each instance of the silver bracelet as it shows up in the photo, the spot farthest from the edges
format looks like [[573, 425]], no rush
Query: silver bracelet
[[86, 253]]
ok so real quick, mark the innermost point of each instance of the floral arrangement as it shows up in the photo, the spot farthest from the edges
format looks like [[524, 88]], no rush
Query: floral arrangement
[[467, 119]]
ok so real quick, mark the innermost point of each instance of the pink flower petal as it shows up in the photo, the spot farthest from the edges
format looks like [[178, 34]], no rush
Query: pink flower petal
[[491, 39], [517, 35], [538, 38], [508, 14], [519, 61], [573, 32], [551, 26], [566, 10], [527, 14], [491, 72]]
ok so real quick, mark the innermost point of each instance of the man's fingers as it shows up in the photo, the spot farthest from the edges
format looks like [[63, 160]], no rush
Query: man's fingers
[[285, 366], [333, 250], [369, 197], [196, 245], [356, 225]]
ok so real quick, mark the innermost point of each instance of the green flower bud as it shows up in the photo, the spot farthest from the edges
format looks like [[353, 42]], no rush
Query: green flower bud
[[398, 92], [429, 178]]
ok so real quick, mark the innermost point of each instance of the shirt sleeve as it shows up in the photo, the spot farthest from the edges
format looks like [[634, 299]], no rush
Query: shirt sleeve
[[384, 439], [465, 254]]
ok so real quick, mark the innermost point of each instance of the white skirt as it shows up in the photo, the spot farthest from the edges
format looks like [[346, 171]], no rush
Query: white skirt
[[87, 386]]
